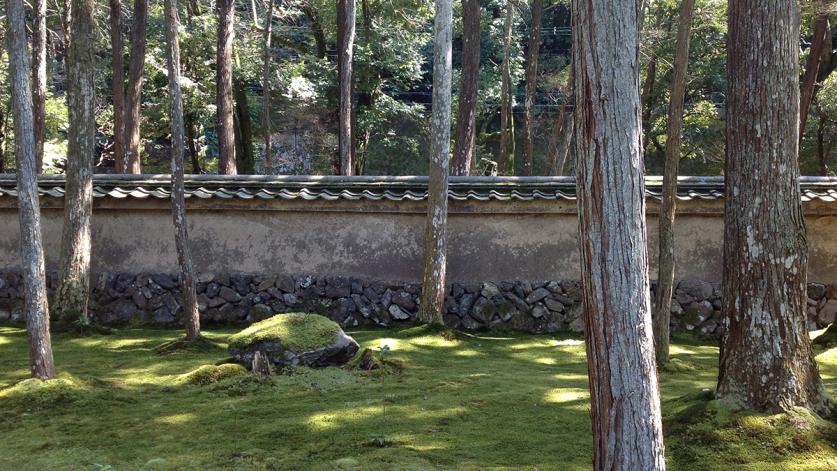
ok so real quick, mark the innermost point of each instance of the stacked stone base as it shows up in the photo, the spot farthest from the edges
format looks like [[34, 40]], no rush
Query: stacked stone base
[[238, 298]]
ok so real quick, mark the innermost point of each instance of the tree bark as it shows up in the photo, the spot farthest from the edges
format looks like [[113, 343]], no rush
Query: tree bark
[[505, 93], [190, 140], [625, 403], [244, 130], [766, 359], [118, 89], [266, 124], [191, 317], [345, 47], [821, 40], [73, 293], [466, 122], [133, 99], [559, 146], [39, 78], [536, 6], [32, 253], [316, 28], [224, 88], [436, 231], [665, 278]]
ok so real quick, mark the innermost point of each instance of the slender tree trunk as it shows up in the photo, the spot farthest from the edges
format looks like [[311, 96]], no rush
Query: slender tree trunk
[[436, 232], [244, 135], [766, 360], [73, 291], [821, 153], [466, 122], [505, 94], [536, 6], [118, 71], [39, 78], [178, 194], [268, 147], [224, 88], [133, 99], [32, 253], [820, 41], [647, 96], [345, 47], [316, 29], [625, 401], [665, 278], [559, 146], [190, 140]]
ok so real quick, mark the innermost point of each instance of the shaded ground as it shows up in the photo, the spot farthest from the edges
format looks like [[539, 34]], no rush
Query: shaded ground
[[483, 401]]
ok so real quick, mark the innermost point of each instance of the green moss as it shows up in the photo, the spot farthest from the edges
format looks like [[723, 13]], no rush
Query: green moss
[[208, 374], [37, 394], [676, 365], [182, 344], [296, 331]]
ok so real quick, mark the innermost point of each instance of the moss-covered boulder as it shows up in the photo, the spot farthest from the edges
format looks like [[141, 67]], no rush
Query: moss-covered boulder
[[294, 339]]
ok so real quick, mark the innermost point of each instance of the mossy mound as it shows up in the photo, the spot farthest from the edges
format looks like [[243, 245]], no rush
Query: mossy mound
[[208, 374], [701, 430], [676, 365], [827, 339], [37, 394]]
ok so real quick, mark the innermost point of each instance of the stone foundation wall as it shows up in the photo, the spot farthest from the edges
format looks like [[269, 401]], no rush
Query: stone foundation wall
[[553, 306]]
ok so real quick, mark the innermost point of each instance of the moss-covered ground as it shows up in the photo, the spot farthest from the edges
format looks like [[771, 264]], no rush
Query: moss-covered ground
[[481, 401]]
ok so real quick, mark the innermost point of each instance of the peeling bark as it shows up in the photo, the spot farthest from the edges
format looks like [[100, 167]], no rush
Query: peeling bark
[[536, 6], [436, 231], [345, 50], [766, 360], [224, 88], [466, 121], [624, 395], [133, 98]]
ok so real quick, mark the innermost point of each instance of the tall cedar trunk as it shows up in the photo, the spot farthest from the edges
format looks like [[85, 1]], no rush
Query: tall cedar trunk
[[268, 147], [39, 78], [466, 121], [345, 47], [224, 88], [244, 130], [766, 360], [133, 99], [821, 40], [31, 250], [118, 91], [436, 231], [625, 401], [73, 291], [536, 6], [178, 193], [505, 93], [665, 278]]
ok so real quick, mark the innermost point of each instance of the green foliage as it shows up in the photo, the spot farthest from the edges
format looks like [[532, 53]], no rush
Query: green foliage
[[296, 331]]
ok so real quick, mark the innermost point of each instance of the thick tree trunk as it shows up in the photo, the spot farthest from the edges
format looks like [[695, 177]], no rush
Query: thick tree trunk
[[266, 125], [39, 78], [345, 47], [820, 41], [133, 99], [178, 195], [224, 88], [624, 395], [118, 90], [32, 253], [665, 278], [766, 360], [466, 121], [505, 94], [244, 130], [536, 6], [73, 293], [436, 231]]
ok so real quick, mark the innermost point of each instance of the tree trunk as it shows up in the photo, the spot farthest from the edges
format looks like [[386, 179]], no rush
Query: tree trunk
[[224, 88], [316, 28], [625, 402], [821, 152], [766, 360], [118, 72], [190, 140], [505, 93], [268, 147], [244, 130], [559, 145], [647, 96], [133, 99], [73, 293], [32, 253], [536, 6], [345, 47], [665, 278], [821, 40], [178, 194], [39, 78], [466, 122], [436, 231]]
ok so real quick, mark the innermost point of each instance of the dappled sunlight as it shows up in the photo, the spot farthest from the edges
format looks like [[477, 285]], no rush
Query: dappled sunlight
[[565, 395], [176, 419], [436, 341], [469, 353], [336, 419]]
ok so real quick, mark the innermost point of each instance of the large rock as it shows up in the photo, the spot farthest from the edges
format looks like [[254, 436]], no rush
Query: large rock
[[294, 339]]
